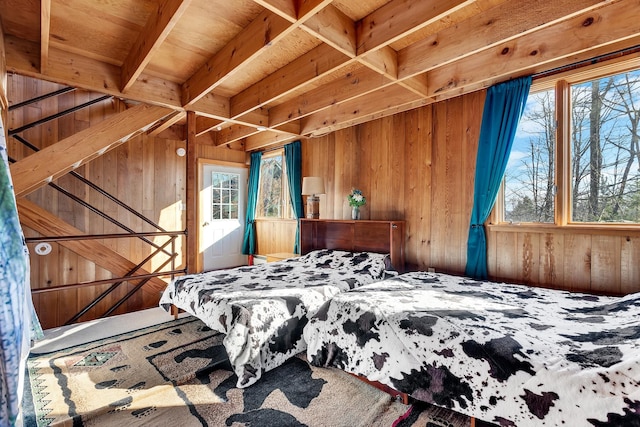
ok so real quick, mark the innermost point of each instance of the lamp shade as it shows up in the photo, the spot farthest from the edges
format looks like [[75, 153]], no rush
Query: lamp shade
[[312, 185]]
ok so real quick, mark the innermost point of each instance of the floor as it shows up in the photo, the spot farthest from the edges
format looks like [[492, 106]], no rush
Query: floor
[[67, 336]]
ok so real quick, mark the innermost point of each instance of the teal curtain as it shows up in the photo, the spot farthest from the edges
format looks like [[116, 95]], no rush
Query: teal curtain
[[249, 241], [293, 161], [18, 322], [503, 108]]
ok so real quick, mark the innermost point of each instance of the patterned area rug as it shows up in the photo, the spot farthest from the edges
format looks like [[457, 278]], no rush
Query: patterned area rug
[[176, 374]]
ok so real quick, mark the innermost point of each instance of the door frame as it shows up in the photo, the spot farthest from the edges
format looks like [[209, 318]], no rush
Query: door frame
[[199, 220]]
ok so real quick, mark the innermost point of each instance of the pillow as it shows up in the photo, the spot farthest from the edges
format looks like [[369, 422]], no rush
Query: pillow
[[372, 263]]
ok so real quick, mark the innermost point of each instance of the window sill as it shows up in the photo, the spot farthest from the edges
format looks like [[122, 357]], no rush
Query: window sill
[[606, 229]]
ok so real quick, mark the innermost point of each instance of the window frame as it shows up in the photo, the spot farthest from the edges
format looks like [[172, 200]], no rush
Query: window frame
[[562, 200], [285, 196]]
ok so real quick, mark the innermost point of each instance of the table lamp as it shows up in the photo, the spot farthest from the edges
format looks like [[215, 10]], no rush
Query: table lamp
[[311, 187]]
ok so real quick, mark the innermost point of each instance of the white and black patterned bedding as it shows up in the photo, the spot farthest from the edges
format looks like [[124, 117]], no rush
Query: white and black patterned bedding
[[508, 354], [263, 309]]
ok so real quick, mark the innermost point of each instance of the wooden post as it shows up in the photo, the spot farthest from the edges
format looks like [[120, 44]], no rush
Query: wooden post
[[4, 101], [192, 194]]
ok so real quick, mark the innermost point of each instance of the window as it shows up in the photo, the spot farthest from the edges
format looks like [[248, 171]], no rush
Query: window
[[273, 193], [224, 195], [602, 142]]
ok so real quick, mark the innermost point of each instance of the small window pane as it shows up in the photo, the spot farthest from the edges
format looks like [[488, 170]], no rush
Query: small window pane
[[224, 199], [215, 196], [529, 177], [605, 136]]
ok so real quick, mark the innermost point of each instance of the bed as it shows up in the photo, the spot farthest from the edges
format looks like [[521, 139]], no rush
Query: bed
[[262, 309], [508, 354]]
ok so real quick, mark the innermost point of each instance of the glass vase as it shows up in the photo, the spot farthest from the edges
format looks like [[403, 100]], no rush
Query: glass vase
[[355, 212]]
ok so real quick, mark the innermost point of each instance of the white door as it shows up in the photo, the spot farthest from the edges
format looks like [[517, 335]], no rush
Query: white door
[[223, 200]]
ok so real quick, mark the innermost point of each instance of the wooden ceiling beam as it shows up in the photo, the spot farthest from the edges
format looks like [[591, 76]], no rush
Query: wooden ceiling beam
[[419, 84], [339, 32], [248, 124], [497, 25], [236, 133], [45, 30], [294, 10], [338, 51], [416, 84], [86, 73], [606, 25], [323, 60], [155, 31], [334, 28], [393, 21], [254, 119], [309, 8], [383, 61], [233, 133], [56, 160], [286, 9], [268, 139], [169, 121], [399, 18], [351, 85], [212, 105], [259, 35], [268, 28], [305, 70], [205, 124], [363, 118], [371, 105]]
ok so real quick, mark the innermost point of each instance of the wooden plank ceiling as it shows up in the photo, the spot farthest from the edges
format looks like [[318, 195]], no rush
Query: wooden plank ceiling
[[266, 71]]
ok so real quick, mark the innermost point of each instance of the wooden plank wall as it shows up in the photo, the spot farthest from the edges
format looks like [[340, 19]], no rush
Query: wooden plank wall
[[275, 236], [145, 173], [588, 260], [411, 166]]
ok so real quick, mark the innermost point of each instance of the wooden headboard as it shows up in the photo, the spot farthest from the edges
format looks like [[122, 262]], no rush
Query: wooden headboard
[[348, 235]]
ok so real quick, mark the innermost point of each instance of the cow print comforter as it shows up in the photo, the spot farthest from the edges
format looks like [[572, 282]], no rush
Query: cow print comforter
[[263, 309], [508, 354]]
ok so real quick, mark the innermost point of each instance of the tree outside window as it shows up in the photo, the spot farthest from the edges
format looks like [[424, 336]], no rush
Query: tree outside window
[[273, 194], [603, 140], [529, 177], [606, 156]]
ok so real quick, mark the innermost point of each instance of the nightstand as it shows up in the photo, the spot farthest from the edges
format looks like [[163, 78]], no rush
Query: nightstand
[[280, 256]]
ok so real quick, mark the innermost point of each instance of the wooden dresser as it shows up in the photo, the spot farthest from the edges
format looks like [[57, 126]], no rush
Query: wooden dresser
[[355, 235]]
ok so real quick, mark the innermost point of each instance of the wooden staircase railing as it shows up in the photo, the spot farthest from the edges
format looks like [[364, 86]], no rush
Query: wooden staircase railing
[[47, 164], [130, 276]]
